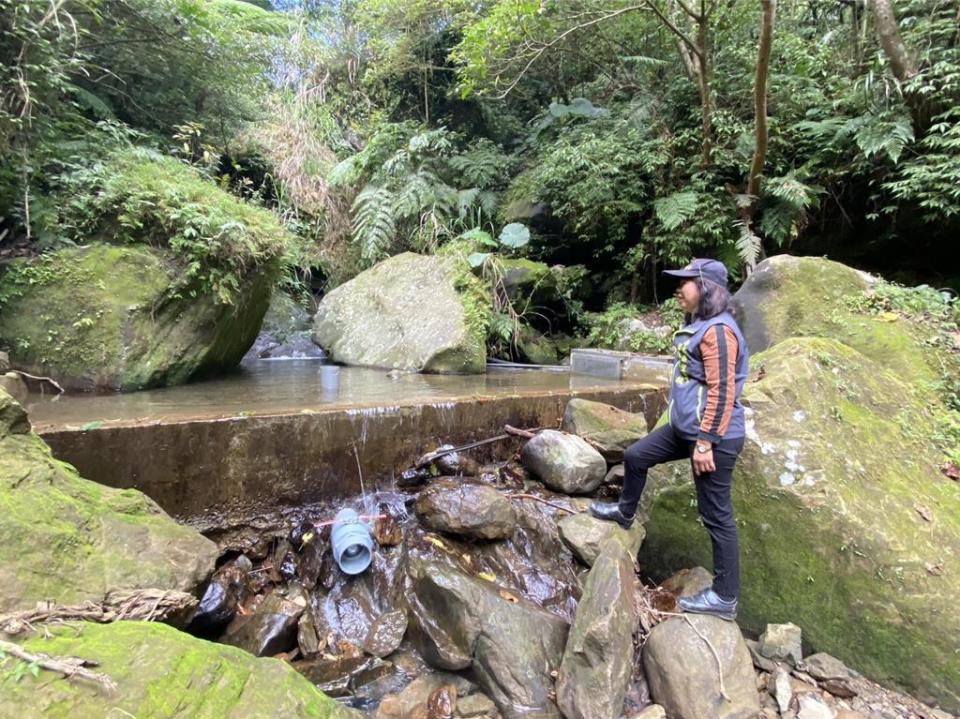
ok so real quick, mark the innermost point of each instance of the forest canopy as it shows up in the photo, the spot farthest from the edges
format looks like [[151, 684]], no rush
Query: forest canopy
[[623, 136]]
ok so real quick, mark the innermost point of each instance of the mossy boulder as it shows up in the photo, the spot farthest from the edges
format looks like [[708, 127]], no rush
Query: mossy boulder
[[160, 672], [847, 527], [537, 348], [790, 296], [105, 317], [68, 540], [609, 429], [411, 312]]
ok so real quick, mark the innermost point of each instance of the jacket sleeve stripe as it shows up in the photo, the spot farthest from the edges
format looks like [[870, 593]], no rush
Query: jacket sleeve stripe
[[719, 353]]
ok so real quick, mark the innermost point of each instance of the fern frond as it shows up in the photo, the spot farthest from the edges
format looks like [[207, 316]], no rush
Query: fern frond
[[749, 246], [673, 210], [374, 226]]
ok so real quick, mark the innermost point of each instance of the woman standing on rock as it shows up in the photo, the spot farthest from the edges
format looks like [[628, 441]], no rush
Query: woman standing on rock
[[705, 425]]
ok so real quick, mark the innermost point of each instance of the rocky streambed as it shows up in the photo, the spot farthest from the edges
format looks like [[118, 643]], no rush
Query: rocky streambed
[[491, 594]]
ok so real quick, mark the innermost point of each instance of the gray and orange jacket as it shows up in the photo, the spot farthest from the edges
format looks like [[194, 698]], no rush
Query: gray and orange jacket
[[711, 366]]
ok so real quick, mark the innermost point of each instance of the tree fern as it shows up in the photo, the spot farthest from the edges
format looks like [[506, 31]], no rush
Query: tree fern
[[673, 210]]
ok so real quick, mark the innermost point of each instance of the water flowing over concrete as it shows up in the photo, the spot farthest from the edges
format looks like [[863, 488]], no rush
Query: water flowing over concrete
[[286, 433]]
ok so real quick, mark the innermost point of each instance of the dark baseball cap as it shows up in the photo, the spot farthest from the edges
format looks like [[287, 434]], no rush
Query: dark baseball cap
[[712, 270]]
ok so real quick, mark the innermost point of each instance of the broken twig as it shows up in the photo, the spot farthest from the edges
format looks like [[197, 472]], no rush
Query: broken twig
[[67, 666], [525, 433], [434, 456], [534, 497]]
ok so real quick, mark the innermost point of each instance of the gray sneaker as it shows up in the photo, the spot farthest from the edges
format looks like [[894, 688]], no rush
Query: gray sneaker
[[709, 602]]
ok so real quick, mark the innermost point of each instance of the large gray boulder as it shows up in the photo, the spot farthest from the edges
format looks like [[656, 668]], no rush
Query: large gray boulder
[[683, 673], [465, 509], [587, 536], [609, 429], [564, 462], [68, 540], [598, 659], [511, 644], [410, 312]]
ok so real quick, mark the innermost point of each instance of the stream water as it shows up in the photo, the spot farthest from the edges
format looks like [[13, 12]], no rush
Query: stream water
[[290, 386]]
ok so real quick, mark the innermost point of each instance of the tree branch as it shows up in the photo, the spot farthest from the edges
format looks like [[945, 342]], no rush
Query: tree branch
[[559, 38]]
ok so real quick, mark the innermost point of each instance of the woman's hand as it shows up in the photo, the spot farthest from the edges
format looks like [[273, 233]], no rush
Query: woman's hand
[[703, 461]]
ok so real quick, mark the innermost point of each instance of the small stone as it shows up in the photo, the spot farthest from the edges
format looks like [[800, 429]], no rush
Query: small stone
[[824, 666], [812, 707], [688, 582], [387, 530], [780, 689], [476, 706], [781, 642], [654, 711], [760, 661], [839, 688], [615, 476], [442, 702]]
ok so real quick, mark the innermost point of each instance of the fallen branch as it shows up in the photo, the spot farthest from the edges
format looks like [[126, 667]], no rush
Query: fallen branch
[[540, 499], [525, 433], [428, 459], [723, 691], [141, 604], [69, 667], [36, 378]]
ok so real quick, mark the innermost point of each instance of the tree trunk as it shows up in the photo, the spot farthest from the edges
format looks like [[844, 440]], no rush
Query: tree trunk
[[706, 102], [901, 61], [769, 17], [748, 208]]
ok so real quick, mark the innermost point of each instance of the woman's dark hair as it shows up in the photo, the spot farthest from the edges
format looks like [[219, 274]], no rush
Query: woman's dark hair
[[714, 299]]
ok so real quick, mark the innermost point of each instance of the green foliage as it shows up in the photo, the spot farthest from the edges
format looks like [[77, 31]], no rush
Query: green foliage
[[931, 179], [139, 196], [675, 209], [413, 193], [612, 328]]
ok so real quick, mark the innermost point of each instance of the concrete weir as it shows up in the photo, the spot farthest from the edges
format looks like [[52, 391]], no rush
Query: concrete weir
[[216, 471]]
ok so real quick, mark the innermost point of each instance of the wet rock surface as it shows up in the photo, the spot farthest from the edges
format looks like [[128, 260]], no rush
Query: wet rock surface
[[564, 462], [511, 644], [466, 509], [271, 629], [449, 626], [598, 658], [587, 536]]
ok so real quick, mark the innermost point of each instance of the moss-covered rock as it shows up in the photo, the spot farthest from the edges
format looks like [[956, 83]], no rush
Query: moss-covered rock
[[847, 527], [104, 317], [68, 540], [813, 297], [609, 429], [537, 348], [160, 673], [408, 312]]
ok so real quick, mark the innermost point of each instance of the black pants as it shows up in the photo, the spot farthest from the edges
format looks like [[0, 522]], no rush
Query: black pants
[[713, 496]]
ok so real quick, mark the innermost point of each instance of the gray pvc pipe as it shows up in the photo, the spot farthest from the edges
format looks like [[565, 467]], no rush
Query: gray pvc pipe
[[351, 542]]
